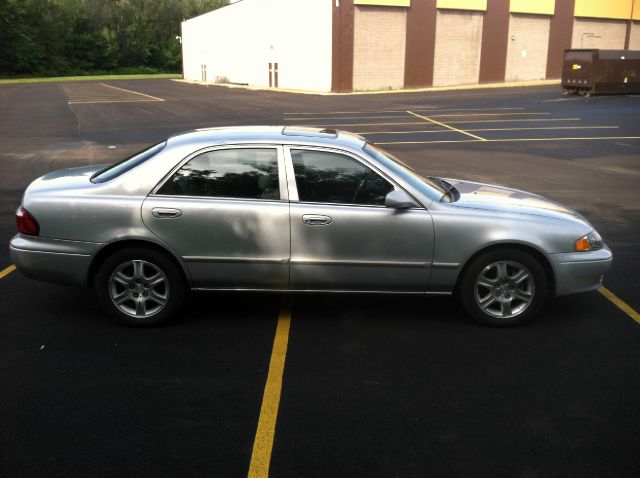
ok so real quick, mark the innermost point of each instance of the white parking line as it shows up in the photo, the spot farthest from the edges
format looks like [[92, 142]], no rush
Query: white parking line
[[515, 140], [97, 93], [131, 91], [535, 128], [528, 120], [132, 100], [415, 108], [318, 118], [426, 118]]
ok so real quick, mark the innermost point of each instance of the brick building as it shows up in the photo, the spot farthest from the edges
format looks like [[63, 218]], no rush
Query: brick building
[[361, 45]]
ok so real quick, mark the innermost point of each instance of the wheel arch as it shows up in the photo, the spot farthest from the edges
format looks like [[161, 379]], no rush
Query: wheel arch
[[536, 253], [112, 247]]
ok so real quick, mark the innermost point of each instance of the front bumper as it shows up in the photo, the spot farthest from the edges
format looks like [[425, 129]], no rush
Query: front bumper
[[53, 260], [580, 271]]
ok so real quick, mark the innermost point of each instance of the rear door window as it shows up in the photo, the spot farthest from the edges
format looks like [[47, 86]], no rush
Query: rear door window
[[242, 173]]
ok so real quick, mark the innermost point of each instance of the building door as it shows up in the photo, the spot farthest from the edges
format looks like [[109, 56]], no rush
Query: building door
[[273, 75]]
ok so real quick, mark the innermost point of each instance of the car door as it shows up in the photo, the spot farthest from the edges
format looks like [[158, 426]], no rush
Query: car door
[[342, 235], [225, 211]]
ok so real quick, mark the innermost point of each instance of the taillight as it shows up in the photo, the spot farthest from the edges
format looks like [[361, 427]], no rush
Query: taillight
[[27, 224]]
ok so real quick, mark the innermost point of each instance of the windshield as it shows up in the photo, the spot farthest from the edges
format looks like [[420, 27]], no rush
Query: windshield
[[436, 189], [127, 164]]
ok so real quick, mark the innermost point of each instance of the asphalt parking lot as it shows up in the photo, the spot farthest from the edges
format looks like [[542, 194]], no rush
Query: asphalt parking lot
[[370, 385]]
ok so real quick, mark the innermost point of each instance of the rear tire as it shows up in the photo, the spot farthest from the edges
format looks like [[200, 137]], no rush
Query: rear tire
[[503, 288], [140, 287]]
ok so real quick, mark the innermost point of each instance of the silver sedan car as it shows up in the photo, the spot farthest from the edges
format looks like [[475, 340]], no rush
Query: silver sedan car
[[299, 210]]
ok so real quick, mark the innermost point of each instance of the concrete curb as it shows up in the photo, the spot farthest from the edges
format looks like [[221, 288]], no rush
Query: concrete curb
[[382, 92]]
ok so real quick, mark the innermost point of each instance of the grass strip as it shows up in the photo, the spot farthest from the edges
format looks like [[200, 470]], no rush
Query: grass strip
[[57, 79]]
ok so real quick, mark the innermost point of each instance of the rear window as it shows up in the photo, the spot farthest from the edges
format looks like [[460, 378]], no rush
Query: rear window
[[127, 164]]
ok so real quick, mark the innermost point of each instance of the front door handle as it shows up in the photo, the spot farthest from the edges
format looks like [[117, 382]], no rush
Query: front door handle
[[316, 220], [165, 213]]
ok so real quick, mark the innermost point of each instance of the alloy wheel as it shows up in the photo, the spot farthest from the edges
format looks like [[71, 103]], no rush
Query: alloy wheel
[[139, 288], [504, 289]]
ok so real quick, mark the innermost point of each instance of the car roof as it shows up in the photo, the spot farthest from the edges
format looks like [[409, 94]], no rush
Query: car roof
[[270, 134]]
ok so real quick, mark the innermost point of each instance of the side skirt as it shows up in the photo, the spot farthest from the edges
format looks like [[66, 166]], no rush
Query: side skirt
[[312, 291]]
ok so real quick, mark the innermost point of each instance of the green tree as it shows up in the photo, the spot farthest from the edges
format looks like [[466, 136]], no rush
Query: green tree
[[58, 37]]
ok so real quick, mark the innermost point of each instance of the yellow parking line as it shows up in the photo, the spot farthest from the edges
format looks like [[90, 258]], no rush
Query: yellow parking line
[[7, 271], [491, 129], [508, 140], [426, 118], [131, 91], [620, 304], [265, 433]]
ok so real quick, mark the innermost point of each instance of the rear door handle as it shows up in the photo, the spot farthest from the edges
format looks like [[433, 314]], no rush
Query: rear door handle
[[165, 213], [316, 220]]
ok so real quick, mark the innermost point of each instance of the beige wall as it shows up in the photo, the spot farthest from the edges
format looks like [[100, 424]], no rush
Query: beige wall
[[634, 40], [378, 49], [611, 33], [527, 48], [458, 43], [245, 58]]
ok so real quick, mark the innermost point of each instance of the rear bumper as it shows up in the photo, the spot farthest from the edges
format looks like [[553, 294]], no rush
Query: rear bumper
[[52, 260], [580, 271]]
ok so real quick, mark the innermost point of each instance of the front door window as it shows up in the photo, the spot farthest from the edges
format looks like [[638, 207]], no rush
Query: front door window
[[326, 177]]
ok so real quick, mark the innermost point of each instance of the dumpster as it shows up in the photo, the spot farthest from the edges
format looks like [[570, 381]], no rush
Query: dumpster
[[592, 71]]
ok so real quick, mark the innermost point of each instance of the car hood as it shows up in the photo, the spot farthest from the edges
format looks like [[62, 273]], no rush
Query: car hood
[[499, 198]]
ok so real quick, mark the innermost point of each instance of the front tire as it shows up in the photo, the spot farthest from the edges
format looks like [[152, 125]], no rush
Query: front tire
[[504, 287], [140, 287]]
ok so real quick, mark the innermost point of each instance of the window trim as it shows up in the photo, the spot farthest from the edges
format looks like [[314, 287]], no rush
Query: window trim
[[282, 178], [293, 187]]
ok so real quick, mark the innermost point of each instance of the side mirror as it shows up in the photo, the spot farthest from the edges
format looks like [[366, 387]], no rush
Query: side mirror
[[398, 199]]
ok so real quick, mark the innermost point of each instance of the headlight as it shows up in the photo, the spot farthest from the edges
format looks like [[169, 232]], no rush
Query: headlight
[[590, 242]]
